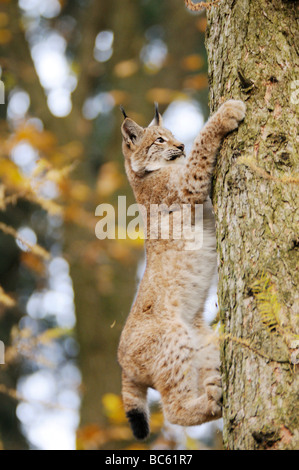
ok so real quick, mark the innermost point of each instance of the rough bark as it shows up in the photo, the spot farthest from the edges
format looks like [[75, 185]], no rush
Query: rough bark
[[252, 48]]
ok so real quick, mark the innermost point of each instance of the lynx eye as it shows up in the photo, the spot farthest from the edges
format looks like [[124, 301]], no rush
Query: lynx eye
[[160, 140]]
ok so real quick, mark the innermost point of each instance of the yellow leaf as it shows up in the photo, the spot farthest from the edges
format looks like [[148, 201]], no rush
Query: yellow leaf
[[192, 62], [109, 179], [157, 421], [10, 174], [73, 149], [57, 175], [119, 96], [79, 191], [113, 408], [202, 24], [90, 436], [191, 444], [161, 95], [119, 251], [33, 263], [5, 299], [111, 401], [5, 36], [2, 197], [41, 167], [126, 68], [119, 433], [137, 446], [197, 82], [51, 334]]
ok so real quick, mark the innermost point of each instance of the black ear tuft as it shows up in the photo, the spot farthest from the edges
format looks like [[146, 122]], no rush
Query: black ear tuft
[[157, 114], [123, 111], [158, 120]]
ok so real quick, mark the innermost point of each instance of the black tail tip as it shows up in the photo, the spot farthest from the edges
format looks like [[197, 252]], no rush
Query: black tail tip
[[139, 424]]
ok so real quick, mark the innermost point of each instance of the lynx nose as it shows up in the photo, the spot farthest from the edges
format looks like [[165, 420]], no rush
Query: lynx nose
[[181, 147]]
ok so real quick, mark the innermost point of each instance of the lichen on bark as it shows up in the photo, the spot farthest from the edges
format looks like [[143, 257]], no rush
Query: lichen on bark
[[252, 51]]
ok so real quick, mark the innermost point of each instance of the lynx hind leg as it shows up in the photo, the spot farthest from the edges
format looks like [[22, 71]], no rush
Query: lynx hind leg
[[190, 411], [183, 402], [230, 114]]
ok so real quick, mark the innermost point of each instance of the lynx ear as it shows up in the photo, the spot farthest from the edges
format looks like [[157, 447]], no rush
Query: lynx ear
[[131, 132], [158, 120]]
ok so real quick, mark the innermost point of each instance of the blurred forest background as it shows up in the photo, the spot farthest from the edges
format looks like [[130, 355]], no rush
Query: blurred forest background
[[66, 66]]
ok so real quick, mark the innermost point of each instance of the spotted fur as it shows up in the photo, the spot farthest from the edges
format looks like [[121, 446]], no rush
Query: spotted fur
[[165, 343]]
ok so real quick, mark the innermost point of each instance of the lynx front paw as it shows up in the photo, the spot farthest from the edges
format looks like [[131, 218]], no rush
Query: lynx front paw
[[214, 393], [231, 113]]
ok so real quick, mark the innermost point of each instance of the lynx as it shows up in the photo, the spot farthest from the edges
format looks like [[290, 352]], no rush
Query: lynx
[[165, 343]]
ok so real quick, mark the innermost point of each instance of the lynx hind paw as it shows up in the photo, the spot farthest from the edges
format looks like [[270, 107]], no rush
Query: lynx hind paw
[[232, 112]]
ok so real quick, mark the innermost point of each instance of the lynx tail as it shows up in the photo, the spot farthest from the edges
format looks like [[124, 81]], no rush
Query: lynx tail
[[139, 423], [136, 408]]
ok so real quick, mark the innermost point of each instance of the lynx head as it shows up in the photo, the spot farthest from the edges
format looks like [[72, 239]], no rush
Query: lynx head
[[151, 148]]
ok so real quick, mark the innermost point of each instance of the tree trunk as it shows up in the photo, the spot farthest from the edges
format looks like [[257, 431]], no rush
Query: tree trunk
[[252, 48]]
